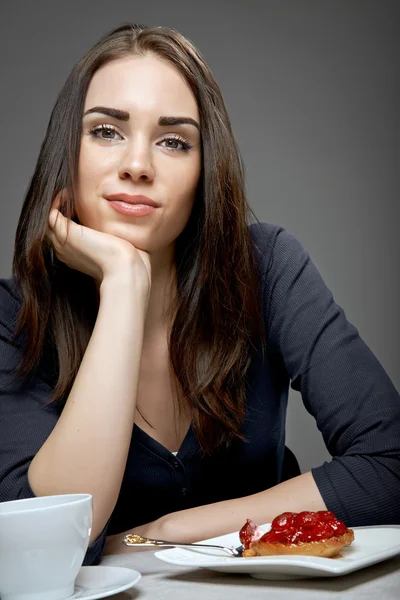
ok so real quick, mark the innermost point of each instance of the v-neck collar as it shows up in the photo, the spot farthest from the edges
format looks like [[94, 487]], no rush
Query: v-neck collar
[[187, 448]]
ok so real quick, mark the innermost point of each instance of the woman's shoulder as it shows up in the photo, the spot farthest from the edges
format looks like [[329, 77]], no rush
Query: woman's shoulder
[[271, 241], [10, 305], [264, 233], [10, 298]]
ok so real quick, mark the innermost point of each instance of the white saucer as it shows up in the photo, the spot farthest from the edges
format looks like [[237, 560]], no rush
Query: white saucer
[[100, 582]]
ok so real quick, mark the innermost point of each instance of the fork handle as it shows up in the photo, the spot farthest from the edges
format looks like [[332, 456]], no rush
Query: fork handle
[[160, 543]]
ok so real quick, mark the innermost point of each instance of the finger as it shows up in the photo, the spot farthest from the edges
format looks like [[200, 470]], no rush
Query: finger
[[50, 238], [59, 199], [53, 216], [60, 225]]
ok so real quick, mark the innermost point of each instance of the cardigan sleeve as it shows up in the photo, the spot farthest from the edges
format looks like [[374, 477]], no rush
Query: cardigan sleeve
[[342, 384], [26, 420]]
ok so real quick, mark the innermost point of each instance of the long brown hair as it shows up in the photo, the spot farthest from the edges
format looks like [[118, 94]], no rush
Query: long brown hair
[[218, 320]]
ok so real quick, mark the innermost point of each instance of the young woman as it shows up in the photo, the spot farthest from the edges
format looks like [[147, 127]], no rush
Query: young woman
[[149, 333]]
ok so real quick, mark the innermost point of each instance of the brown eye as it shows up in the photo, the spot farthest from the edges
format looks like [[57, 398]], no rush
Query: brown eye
[[105, 132], [171, 141], [177, 140]]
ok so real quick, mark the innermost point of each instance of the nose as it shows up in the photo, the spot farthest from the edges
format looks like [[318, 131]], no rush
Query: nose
[[136, 162]]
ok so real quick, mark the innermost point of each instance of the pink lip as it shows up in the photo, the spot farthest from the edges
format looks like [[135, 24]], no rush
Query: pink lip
[[133, 199], [132, 210]]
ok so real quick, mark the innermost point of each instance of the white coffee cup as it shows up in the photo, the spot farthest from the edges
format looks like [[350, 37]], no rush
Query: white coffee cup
[[43, 542]]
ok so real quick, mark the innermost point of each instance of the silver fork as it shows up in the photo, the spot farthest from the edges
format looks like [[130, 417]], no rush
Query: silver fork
[[132, 539]]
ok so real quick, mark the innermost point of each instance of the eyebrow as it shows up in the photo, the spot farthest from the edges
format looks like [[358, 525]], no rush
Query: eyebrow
[[123, 115]]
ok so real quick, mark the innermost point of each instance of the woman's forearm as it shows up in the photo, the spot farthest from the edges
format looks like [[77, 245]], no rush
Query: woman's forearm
[[211, 520], [203, 522], [87, 449]]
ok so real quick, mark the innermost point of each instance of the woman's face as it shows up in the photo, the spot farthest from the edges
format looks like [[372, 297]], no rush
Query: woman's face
[[137, 154]]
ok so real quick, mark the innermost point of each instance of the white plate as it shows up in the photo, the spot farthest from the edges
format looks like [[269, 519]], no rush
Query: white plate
[[100, 582], [371, 545]]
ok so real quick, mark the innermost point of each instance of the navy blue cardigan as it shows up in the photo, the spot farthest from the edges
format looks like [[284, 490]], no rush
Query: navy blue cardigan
[[311, 346]]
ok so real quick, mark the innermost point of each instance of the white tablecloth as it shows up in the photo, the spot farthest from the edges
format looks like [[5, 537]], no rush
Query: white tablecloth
[[162, 581]]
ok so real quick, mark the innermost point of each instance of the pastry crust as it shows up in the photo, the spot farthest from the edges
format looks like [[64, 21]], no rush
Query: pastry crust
[[325, 548]]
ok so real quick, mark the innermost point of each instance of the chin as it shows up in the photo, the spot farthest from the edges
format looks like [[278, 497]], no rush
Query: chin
[[140, 244], [134, 234]]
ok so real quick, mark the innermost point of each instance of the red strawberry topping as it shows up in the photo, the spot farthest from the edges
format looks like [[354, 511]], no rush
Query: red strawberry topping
[[292, 528], [250, 532]]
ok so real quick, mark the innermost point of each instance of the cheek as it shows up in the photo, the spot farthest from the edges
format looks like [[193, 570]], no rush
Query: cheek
[[181, 200], [92, 170], [185, 181], [182, 190]]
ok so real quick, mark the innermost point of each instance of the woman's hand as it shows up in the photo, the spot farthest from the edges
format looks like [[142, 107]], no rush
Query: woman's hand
[[95, 253]]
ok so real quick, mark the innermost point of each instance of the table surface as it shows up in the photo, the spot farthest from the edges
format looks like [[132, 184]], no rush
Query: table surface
[[164, 581]]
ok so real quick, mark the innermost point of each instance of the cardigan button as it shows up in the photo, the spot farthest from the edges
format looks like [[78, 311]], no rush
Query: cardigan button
[[176, 464], [184, 491]]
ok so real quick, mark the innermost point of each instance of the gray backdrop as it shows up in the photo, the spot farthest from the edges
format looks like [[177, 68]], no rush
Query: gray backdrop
[[312, 90]]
